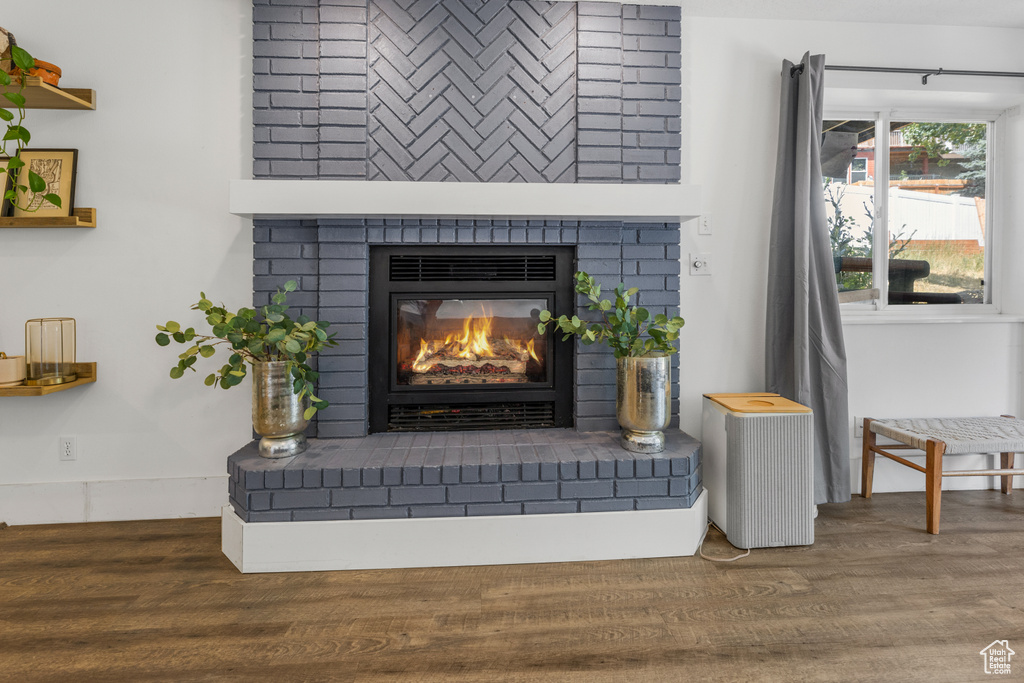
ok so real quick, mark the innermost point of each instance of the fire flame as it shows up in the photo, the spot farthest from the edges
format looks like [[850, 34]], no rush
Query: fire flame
[[528, 348], [473, 343], [475, 340]]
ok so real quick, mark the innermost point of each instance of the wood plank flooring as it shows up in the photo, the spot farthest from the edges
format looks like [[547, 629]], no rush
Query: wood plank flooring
[[875, 598]]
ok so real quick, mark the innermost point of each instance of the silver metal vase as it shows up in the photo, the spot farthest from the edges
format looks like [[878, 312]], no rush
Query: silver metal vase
[[277, 411], [643, 402]]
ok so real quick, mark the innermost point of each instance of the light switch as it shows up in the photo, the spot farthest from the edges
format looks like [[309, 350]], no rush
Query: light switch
[[704, 224], [700, 264]]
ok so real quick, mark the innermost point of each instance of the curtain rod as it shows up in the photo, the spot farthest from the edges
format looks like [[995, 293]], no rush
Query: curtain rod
[[925, 73]]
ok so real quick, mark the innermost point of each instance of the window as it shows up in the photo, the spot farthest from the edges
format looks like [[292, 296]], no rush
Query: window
[[858, 169], [934, 248]]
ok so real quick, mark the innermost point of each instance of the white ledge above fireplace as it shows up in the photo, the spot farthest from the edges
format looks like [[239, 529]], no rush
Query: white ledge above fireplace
[[392, 199]]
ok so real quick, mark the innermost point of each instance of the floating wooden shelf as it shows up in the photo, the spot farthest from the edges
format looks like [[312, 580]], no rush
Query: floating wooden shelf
[[81, 218], [86, 375], [39, 95]]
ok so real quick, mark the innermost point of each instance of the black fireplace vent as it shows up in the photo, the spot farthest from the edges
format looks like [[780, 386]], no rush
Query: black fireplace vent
[[477, 267], [455, 417]]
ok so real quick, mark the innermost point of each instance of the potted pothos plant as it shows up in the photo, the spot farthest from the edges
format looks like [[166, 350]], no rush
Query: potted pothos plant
[[12, 112], [277, 347], [642, 345]]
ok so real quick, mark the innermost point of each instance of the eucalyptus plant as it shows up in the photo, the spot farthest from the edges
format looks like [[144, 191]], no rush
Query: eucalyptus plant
[[622, 326], [22, 196], [254, 337]]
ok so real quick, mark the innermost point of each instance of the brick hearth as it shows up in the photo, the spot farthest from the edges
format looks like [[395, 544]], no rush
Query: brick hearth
[[456, 474]]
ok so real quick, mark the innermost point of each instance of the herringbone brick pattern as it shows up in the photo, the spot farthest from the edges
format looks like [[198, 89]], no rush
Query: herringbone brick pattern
[[472, 90]]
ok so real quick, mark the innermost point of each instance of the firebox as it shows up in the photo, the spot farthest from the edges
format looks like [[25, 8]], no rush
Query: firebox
[[453, 339]]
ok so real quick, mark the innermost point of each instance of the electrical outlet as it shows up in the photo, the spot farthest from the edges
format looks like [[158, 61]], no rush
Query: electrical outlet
[[704, 224], [700, 264], [68, 448], [858, 427]]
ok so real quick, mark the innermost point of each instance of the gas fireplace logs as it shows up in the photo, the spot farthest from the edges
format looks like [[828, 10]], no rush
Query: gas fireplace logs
[[505, 362], [472, 358]]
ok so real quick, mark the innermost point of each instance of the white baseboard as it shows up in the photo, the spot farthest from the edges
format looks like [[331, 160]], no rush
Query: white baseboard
[[112, 500], [460, 541]]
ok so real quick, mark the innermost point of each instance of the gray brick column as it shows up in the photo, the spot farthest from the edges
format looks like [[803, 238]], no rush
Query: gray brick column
[[628, 93], [286, 250], [599, 92], [651, 93], [644, 255], [342, 89], [344, 269], [285, 88]]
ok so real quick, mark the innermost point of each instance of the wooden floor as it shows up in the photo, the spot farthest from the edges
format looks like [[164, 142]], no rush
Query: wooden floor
[[875, 598]]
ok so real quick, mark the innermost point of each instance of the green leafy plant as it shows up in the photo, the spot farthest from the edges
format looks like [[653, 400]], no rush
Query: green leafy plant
[[621, 327], [845, 244], [934, 140], [22, 196], [254, 337]]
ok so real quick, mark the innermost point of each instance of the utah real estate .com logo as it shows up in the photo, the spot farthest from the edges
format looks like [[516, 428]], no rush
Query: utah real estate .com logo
[[997, 657]]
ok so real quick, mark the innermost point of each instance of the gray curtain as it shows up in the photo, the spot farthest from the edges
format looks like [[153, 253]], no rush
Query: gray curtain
[[805, 358]]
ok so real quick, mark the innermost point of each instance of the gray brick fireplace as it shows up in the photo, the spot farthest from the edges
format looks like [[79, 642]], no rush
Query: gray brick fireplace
[[330, 259], [459, 91]]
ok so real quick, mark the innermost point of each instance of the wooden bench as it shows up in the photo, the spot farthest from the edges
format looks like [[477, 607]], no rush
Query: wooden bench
[[939, 437]]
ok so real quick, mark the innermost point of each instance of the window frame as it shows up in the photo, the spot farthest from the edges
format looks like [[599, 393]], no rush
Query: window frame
[[877, 309], [853, 170]]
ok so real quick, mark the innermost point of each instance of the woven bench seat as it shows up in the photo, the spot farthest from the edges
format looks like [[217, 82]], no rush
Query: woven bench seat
[[938, 437]]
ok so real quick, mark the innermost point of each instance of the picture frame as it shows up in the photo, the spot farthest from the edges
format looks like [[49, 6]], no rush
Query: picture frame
[[5, 183], [58, 168]]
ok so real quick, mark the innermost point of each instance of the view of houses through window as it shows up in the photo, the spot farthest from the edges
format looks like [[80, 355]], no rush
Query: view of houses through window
[[935, 238]]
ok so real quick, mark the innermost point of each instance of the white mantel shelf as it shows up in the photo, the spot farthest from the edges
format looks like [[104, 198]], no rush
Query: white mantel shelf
[[392, 199]]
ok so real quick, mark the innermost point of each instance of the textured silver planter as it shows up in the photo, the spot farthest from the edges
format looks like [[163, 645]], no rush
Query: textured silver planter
[[643, 402], [277, 411]]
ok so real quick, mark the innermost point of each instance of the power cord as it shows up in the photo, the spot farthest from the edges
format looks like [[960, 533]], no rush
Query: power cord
[[700, 546]]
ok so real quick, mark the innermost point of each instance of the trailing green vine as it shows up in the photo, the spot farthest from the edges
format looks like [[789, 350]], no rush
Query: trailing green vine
[[21, 196]]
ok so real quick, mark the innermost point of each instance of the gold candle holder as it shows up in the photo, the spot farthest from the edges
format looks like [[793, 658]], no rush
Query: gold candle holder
[[50, 351]]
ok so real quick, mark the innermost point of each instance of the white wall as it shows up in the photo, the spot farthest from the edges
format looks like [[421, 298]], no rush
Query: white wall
[[172, 126], [731, 71]]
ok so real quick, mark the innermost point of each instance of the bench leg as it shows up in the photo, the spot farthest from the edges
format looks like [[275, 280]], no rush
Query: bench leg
[[1006, 463], [867, 463], [933, 483]]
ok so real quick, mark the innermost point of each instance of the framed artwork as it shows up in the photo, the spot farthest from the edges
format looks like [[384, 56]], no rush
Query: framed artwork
[[5, 182], [57, 168]]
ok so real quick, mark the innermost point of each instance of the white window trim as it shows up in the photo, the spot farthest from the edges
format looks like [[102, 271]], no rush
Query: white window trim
[[852, 170], [878, 310]]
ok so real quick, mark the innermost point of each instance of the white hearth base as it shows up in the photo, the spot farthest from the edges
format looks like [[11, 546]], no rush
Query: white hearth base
[[460, 541]]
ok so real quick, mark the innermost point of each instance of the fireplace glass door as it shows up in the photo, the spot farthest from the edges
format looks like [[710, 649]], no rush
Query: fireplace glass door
[[443, 342], [453, 342]]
